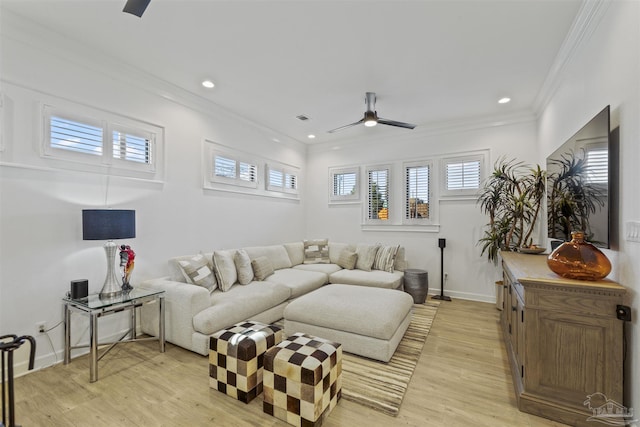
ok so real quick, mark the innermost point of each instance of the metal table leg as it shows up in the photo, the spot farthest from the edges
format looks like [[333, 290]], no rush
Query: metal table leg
[[93, 351], [67, 334], [161, 324]]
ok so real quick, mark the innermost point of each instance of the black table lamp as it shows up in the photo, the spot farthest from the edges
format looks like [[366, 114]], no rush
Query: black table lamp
[[109, 224]]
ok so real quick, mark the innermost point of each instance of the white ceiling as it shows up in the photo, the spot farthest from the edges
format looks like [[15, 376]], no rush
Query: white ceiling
[[428, 61]]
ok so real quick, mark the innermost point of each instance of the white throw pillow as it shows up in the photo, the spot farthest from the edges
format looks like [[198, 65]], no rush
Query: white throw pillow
[[197, 272], [243, 267], [225, 267], [366, 256]]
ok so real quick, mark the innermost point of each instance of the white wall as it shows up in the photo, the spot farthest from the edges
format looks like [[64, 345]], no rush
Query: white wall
[[470, 276], [605, 69], [41, 246]]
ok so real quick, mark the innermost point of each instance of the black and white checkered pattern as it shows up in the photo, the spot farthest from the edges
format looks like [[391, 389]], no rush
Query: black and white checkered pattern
[[302, 379], [236, 358]]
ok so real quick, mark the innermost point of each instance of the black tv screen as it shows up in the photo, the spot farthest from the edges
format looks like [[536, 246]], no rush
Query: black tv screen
[[578, 184]]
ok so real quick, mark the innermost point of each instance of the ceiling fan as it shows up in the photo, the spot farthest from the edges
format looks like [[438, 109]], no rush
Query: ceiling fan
[[371, 117], [136, 7]]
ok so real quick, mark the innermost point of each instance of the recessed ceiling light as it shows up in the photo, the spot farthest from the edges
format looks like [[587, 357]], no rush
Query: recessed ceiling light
[[208, 84], [311, 136], [504, 100]]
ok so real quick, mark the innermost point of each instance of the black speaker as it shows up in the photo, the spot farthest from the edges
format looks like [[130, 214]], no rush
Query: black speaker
[[442, 243], [79, 288]]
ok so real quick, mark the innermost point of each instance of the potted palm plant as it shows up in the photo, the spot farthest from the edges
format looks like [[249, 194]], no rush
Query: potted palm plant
[[512, 198]]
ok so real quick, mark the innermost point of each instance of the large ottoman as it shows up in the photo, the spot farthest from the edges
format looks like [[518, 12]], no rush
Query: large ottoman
[[369, 322], [302, 379], [236, 357]]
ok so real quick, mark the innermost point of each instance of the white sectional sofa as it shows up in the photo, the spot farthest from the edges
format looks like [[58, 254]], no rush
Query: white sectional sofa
[[201, 300]]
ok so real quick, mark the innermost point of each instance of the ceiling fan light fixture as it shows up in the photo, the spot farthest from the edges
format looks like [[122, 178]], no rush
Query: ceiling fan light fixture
[[370, 119]]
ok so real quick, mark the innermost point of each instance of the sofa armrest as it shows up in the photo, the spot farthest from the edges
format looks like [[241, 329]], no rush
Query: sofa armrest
[[182, 302]]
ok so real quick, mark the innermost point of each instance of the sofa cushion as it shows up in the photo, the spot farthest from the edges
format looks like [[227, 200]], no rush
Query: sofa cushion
[[277, 254], [196, 270], [225, 269], [237, 304], [347, 259], [243, 267], [262, 267], [385, 258], [295, 250], [366, 256], [375, 278], [316, 251], [299, 281], [322, 268]]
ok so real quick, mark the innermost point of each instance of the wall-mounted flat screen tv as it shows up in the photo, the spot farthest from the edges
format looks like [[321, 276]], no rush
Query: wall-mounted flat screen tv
[[578, 184]]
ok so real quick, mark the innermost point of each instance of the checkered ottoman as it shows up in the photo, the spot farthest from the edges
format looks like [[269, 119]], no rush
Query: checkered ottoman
[[236, 358], [302, 379]]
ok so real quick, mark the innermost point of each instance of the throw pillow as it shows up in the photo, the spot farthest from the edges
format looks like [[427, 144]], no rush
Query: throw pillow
[[197, 272], [226, 272], [347, 259], [262, 267], [366, 256], [316, 251], [243, 267], [385, 258]]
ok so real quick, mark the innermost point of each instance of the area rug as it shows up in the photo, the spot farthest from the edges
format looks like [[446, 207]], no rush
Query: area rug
[[381, 386]]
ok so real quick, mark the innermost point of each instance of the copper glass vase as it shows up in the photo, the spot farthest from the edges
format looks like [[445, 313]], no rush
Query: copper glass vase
[[579, 260]]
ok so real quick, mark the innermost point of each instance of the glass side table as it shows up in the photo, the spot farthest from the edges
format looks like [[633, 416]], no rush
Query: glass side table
[[96, 307]]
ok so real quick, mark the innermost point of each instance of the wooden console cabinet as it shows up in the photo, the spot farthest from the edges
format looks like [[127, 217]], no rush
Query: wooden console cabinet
[[563, 339]]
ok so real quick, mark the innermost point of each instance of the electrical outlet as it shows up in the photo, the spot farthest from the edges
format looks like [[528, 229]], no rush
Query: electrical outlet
[[41, 327]]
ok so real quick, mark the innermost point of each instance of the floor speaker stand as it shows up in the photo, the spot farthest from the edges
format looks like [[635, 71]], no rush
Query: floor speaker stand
[[442, 296]]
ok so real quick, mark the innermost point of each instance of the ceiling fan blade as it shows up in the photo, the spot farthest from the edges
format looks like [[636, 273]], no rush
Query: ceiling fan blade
[[136, 7], [346, 126], [396, 124]]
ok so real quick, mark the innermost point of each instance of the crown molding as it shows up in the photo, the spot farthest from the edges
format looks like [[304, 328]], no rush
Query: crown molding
[[589, 16]]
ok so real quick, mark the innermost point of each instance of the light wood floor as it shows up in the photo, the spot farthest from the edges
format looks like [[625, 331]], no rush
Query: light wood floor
[[462, 379]]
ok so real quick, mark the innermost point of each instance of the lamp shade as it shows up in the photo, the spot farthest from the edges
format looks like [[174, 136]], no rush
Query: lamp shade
[[108, 224]]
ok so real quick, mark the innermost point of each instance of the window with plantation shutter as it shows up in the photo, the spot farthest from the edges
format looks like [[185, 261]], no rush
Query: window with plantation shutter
[[378, 194], [462, 175], [232, 171], [281, 179], [100, 140], [76, 136], [344, 185], [417, 191], [130, 147]]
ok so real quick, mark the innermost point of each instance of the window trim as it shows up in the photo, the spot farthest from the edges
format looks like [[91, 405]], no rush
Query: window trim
[[344, 198], [467, 193]]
